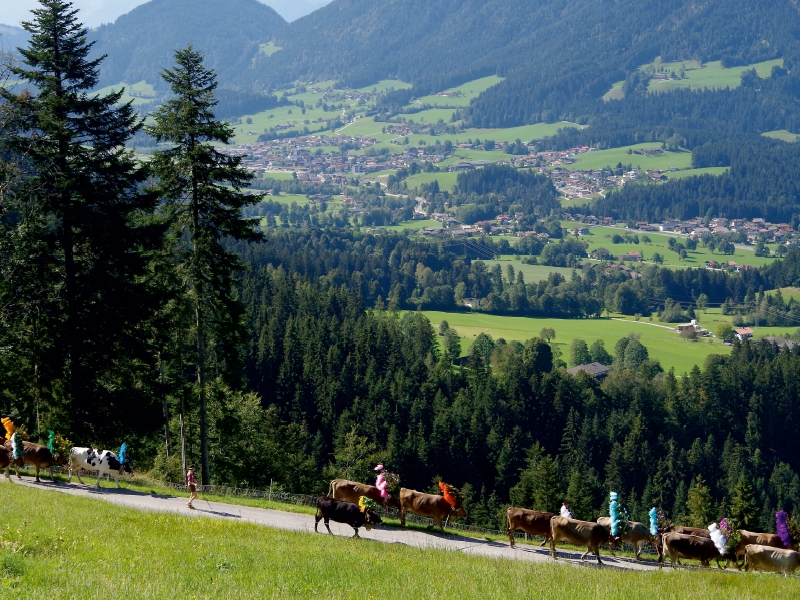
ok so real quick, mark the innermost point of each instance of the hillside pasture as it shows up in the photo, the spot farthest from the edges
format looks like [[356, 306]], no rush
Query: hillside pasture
[[711, 75], [661, 341], [782, 134], [610, 158], [51, 550], [692, 172], [138, 93], [462, 94]]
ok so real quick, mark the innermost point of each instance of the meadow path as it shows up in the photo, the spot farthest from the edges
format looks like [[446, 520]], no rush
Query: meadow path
[[305, 523]]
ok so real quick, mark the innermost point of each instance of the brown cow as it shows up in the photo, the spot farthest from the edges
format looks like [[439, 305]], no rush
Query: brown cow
[[351, 491], [427, 505], [760, 539], [5, 460], [769, 559], [35, 455], [531, 522], [578, 533], [679, 545], [637, 534]]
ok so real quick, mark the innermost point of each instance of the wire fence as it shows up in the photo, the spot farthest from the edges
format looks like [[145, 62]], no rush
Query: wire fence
[[310, 500]]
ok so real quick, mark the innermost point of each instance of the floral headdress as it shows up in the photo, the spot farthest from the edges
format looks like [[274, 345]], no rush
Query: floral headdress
[[452, 494]]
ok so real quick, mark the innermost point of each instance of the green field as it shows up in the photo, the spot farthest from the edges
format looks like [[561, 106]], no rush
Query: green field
[[710, 75], [601, 237], [269, 49], [140, 93], [446, 179], [613, 156], [531, 273], [416, 224], [52, 550], [662, 343], [432, 115], [464, 93], [782, 134], [692, 172]]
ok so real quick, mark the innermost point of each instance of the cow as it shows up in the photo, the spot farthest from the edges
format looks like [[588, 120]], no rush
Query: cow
[[578, 533], [531, 522], [351, 491], [5, 460], [769, 559], [427, 505], [637, 534], [680, 545], [102, 461], [36, 455], [759, 539], [344, 512]]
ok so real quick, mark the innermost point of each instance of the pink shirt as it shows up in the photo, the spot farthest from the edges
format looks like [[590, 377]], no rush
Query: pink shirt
[[190, 478]]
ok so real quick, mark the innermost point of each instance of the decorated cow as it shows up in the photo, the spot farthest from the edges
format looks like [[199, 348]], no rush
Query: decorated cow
[[102, 461]]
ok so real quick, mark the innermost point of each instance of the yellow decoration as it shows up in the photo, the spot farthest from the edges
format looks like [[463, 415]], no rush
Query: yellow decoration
[[9, 425]]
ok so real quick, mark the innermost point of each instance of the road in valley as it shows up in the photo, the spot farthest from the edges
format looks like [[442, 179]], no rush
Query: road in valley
[[305, 523]]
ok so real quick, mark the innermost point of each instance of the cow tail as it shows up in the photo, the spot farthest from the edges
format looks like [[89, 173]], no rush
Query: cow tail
[[330, 490]]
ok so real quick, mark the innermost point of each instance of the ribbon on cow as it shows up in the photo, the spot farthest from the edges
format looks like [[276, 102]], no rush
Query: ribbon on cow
[[18, 447], [123, 454], [51, 441], [451, 494], [565, 511], [653, 521], [613, 512], [782, 528], [9, 426]]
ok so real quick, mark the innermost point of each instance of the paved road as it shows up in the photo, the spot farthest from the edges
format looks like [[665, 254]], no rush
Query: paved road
[[305, 523]]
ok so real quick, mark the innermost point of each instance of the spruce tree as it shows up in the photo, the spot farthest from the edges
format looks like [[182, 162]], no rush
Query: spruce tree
[[201, 190], [744, 509], [79, 229]]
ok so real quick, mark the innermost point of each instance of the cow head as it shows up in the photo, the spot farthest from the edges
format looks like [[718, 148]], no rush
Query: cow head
[[371, 518], [459, 511]]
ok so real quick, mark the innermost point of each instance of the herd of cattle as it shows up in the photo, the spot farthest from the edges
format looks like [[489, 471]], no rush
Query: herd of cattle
[[40, 458], [758, 551]]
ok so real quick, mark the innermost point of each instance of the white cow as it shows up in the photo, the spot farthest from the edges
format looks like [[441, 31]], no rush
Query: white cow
[[769, 559], [102, 461]]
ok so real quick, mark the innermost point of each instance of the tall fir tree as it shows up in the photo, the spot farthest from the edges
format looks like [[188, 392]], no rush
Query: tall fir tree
[[77, 238], [201, 189]]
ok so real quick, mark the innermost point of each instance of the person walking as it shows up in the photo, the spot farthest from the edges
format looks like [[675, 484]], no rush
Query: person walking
[[191, 480]]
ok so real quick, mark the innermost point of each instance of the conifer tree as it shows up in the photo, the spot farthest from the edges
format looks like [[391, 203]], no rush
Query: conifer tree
[[201, 190], [700, 503], [743, 505], [78, 235]]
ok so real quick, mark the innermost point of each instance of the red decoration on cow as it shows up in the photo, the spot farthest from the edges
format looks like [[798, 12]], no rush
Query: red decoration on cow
[[451, 494]]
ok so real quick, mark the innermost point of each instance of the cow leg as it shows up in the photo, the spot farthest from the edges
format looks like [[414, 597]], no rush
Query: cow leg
[[511, 536], [52, 477], [327, 525], [8, 472], [439, 523], [317, 518], [99, 477], [636, 550], [356, 530], [402, 517], [37, 475], [553, 548], [116, 480], [597, 555]]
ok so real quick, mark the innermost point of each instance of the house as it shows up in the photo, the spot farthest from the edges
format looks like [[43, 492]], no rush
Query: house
[[745, 333], [630, 257], [594, 369], [781, 342]]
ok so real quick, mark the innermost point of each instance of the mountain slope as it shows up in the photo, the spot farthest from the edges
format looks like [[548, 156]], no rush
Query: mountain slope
[[11, 38], [142, 42], [549, 50]]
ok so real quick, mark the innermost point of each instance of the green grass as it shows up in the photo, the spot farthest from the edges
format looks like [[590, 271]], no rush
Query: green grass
[[432, 115], [386, 84], [531, 273], [711, 75], [782, 134], [269, 49], [613, 156], [692, 172], [446, 179], [140, 93], [466, 93], [601, 237], [662, 344], [412, 225], [53, 549], [615, 93]]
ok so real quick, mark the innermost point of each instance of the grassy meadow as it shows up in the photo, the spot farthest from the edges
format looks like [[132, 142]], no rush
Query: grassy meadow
[[782, 134], [693, 172], [613, 156], [463, 94], [711, 75], [662, 343], [51, 549]]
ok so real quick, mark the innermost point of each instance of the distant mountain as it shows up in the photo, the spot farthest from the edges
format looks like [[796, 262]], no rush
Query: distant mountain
[[291, 10], [11, 38], [229, 32], [550, 51]]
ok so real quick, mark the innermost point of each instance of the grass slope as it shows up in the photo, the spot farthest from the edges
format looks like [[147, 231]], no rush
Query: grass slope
[[51, 550], [613, 156], [662, 343], [711, 75]]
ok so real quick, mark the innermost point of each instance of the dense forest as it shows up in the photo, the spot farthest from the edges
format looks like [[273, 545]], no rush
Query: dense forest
[[286, 353], [140, 43]]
